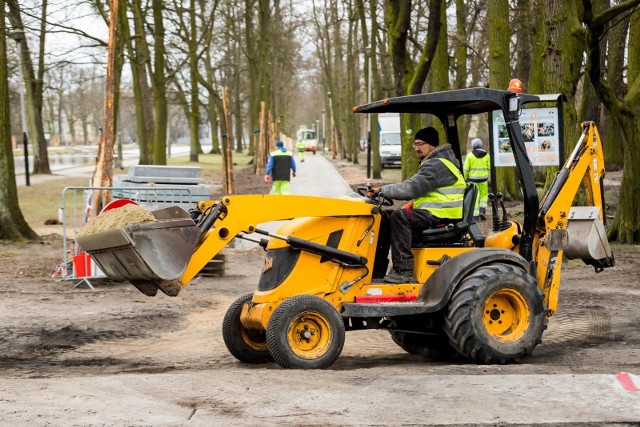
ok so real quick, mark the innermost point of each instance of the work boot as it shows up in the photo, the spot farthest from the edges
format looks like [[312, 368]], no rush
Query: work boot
[[483, 214], [400, 276]]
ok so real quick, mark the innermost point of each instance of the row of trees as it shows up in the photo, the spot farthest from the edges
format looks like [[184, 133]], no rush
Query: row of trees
[[329, 55], [586, 49]]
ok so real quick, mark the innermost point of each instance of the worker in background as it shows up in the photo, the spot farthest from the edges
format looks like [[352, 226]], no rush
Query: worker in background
[[436, 193], [476, 169], [300, 145], [280, 168]]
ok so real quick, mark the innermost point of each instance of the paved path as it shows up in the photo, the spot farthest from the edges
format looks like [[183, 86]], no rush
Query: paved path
[[259, 396], [317, 177]]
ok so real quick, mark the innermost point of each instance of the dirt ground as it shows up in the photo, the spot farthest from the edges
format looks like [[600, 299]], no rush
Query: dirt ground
[[60, 334]]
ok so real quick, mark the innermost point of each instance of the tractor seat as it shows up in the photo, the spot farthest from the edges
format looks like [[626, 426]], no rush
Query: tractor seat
[[454, 233]]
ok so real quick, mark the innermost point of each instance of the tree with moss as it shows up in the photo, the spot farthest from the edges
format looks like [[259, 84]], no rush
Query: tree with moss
[[409, 77], [12, 224], [622, 107]]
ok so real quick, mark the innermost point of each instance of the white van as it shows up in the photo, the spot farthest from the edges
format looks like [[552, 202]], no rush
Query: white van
[[309, 138], [390, 141]]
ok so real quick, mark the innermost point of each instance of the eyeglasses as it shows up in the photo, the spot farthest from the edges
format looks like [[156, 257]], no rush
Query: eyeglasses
[[418, 144]]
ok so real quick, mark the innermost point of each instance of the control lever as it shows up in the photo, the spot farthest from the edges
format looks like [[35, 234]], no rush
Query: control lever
[[494, 210], [504, 222]]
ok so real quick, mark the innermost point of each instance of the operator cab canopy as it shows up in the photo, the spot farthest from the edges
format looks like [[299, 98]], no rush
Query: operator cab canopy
[[448, 106]]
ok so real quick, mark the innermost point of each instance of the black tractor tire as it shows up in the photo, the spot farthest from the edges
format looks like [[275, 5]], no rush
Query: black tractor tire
[[246, 345], [434, 347], [305, 332], [496, 315]]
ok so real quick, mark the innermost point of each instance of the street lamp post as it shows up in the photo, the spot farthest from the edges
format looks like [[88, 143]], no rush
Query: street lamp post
[[18, 37]]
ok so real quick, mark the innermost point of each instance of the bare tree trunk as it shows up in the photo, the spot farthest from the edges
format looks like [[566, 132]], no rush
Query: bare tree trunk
[[159, 87], [536, 75], [194, 103], [261, 149], [350, 92], [12, 224], [561, 66], [409, 78], [34, 87], [252, 67], [626, 224], [499, 75], [237, 112], [138, 58], [524, 32], [228, 145], [612, 134], [103, 175]]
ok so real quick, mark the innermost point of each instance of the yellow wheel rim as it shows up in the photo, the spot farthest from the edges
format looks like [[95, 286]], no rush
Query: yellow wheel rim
[[309, 335], [255, 339], [506, 315]]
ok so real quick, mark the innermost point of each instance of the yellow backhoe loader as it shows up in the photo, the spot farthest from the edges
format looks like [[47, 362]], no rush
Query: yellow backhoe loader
[[484, 297]]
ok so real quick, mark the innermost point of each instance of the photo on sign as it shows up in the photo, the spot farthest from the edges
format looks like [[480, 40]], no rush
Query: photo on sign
[[546, 129], [546, 145], [528, 131], [504, 146], [502, 131]]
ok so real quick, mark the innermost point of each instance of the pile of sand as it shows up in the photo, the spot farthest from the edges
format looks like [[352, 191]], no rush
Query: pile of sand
[[117, 218]]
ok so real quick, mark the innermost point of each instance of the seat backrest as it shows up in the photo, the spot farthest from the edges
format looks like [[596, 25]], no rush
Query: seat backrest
[[469, 202]]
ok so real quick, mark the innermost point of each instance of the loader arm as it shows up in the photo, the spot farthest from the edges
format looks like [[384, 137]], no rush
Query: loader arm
[[244, 213], [585, 167]]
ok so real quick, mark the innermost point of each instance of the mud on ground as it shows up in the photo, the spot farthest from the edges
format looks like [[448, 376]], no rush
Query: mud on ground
[[52, 330]]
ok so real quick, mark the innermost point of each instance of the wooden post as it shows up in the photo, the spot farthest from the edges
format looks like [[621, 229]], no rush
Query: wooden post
[[272, 132], [103, 175], [228, 164]]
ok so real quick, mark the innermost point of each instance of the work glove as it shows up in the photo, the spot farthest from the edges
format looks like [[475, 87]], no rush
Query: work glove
[[408, 205], [373, 192], [267, 178]]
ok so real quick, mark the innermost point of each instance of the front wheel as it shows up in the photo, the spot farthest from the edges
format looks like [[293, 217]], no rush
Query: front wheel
[[305, 332], [246, 345], [496, 315]]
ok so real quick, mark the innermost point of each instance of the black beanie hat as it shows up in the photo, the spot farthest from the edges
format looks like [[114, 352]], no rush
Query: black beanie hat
[[428, 135]]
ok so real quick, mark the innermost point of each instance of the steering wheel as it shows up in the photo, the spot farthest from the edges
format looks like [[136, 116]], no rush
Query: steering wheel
[[381, 199]]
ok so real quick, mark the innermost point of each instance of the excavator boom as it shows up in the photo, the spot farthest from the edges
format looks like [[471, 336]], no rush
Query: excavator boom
[[575, 232], [168, 253]]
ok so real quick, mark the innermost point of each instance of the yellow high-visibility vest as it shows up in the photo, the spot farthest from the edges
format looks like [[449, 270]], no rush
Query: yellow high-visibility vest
[[445, 202]]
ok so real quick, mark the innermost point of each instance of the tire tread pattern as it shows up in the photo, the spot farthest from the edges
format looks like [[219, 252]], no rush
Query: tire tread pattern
[[464, 335], [277, 340], [232, 335]]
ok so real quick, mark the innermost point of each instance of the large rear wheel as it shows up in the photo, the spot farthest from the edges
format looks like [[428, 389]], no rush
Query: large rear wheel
[[305, 332], [246, 345], [496, 315]]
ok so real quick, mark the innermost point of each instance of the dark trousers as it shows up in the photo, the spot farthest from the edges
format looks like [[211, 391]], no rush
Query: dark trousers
[[396, 230]]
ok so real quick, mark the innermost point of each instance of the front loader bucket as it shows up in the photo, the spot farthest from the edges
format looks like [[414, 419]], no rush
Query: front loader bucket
[[155, 252], [588, 238]]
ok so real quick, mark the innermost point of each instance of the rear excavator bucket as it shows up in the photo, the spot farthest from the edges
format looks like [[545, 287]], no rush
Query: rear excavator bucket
[[587, 238], [150, 255]]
